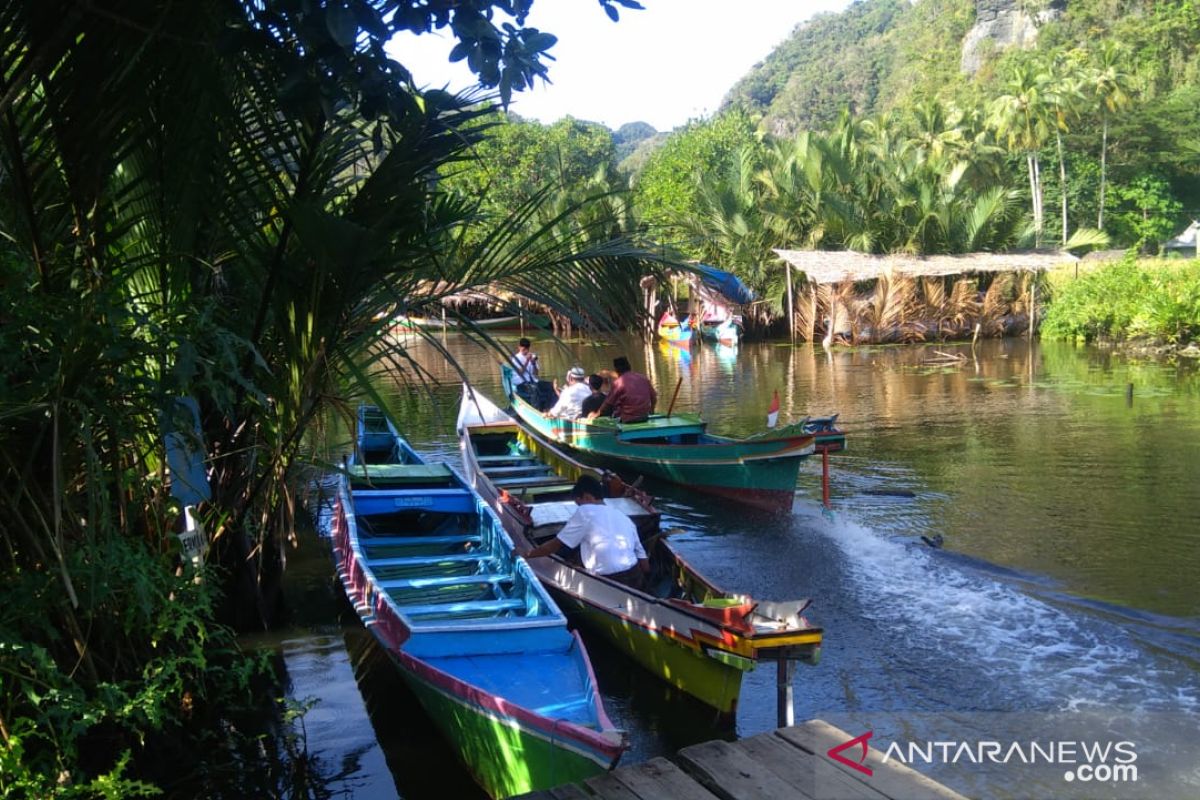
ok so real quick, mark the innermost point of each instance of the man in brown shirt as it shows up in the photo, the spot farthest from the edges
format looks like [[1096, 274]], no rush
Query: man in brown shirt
[[632, 397]]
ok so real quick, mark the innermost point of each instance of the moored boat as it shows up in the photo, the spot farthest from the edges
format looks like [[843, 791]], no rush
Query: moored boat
[[724, 331], [759, 470], [510, 323], [674, 331], [430, 571], [682, 628]]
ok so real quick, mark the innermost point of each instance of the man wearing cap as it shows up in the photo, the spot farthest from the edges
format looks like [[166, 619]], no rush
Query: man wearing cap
[[608, 540], [570, 400]]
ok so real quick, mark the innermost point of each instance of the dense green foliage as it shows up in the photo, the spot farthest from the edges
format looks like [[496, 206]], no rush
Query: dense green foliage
[[1130, 298], [226, 202], [829, 64], [668, 184], [519, 159], [1125, 74]]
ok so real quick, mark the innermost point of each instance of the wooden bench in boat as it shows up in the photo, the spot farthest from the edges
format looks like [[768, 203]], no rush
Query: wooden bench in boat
[[380, 475], [524, 469], [558, 512], [491, 578], [464, 607], [420, 561], [414, 541], [534, 491], [527, 481], [485, 460]]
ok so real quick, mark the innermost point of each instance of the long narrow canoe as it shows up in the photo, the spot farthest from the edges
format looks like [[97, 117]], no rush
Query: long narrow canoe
[[430, 571], [683, 629], [759, 470]]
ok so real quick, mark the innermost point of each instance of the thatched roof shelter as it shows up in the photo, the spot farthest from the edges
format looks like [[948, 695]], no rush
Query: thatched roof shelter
[[836, 266]]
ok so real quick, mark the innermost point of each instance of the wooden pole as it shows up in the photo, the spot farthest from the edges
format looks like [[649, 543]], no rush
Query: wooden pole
[[675, 396], [825, 476], [791, 308], [784, 714], [1032, 304]]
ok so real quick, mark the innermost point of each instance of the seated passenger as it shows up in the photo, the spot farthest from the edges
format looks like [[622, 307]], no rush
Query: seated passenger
[[608, 540], [570, 401], [632, 397], [595, 399]]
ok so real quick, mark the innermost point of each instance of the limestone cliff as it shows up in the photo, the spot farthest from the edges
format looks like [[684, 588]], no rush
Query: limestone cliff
[[1001, 24]]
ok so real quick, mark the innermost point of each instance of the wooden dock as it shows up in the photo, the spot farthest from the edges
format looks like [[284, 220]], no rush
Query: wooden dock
[[786, 764]]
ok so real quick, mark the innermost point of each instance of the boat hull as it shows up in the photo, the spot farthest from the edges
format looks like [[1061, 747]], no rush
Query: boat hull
[[761, 473], [490, 743], [701, 650], [712, 682]]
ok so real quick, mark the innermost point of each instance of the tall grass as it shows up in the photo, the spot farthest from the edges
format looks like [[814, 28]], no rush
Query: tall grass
[[1132, 298]]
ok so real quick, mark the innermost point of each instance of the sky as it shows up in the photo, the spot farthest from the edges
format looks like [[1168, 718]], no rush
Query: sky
[[671, 62]]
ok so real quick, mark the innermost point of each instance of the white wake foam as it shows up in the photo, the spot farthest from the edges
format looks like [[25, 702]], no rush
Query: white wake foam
[[1058, 658]]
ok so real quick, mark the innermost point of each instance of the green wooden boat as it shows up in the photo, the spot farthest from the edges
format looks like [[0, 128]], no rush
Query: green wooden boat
[[682, 628], [759, 470]]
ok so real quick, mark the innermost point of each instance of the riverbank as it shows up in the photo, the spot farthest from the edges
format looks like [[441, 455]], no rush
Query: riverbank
[[1147, 306]]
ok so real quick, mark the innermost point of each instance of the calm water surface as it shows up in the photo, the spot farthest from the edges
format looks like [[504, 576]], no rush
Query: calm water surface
[[1068, 580]]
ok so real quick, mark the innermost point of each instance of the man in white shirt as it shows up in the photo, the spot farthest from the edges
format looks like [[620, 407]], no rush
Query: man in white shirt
[[570, 399], [525, 364], [608, 540]]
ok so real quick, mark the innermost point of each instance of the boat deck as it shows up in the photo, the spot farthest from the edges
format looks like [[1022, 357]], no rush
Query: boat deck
[[787, 764]]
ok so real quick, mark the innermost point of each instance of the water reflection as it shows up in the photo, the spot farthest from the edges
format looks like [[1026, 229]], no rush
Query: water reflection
[[1071, 524]]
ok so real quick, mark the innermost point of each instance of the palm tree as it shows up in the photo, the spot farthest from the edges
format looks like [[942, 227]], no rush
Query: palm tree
[[1112, 90], [201, 203], [1064, 98], [1020, 118]]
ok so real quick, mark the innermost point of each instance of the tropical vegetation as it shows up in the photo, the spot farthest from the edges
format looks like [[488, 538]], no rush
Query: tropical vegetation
[[224, 204]]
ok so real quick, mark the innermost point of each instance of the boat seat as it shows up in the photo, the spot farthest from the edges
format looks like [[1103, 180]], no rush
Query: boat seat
[[521, 470], [464, 607], [413, 541], [452, 580], [400, 474], [533, 491], [530, 481], [419, 561], [557, 513], [503, 459]]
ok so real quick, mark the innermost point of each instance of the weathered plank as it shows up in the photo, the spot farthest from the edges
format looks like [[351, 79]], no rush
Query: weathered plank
[[659, 779], [569, 791], [607, 786], [732, 774], [800, 769], [892, 779]]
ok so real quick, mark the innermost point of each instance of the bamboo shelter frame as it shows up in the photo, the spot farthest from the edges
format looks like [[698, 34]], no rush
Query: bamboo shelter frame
[[833, 267]]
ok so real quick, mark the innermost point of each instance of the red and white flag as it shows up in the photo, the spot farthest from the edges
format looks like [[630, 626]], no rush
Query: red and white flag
[[773, 411]]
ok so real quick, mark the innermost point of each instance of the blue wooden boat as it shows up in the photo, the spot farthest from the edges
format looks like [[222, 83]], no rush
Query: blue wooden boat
[[430, 571]]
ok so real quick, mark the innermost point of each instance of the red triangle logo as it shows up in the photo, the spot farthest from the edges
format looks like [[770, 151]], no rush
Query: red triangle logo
[[836, 753]]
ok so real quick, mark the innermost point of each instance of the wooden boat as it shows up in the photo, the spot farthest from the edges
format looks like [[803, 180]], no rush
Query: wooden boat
[[509, 323], [430, 571], [683, 629], [674, 331], [724, 332], [759, 470]]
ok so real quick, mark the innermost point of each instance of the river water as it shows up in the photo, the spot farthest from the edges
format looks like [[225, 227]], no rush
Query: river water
[[1068, 580]]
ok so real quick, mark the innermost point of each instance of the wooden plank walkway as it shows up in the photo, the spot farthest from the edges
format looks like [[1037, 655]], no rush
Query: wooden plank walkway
[[787, 764]]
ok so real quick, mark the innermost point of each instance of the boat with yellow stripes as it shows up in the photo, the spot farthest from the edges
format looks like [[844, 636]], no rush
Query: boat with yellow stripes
[[683, 628]]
